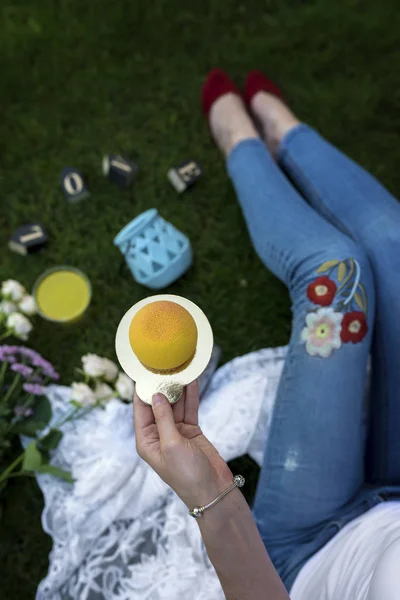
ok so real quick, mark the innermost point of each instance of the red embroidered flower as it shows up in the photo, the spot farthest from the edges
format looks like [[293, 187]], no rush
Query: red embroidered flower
[[354, 327], [322, 291]]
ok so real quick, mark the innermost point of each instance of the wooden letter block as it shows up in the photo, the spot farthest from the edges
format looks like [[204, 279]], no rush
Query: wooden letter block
[[73, 185], [185, 175], [28, 239], [119, 170]]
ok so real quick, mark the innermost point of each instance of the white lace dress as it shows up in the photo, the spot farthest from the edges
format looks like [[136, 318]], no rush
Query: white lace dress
[[119, 532]]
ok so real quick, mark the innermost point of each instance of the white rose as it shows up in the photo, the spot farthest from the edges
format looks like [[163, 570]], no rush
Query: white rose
[[125, 387], [93, 365], [83, 394], [110, 369], [7, 307], [103, 392], [12, 290], [28, 305], [19, 325]]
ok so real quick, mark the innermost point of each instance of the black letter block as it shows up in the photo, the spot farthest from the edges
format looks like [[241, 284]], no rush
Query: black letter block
[[119, 170], [73, 186], [185, 175], [28, 239]]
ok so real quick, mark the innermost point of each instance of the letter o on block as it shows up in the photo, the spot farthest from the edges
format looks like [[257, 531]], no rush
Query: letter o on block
[[73, 185]]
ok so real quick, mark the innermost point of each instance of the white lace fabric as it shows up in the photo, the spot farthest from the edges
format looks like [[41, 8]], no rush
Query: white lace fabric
[[119, 532]]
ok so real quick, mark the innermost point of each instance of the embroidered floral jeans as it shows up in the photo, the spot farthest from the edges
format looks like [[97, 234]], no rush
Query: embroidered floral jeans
[[334, 240]]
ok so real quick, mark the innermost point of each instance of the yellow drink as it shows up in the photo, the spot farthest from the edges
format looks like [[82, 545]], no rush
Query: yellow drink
[[62, 294]]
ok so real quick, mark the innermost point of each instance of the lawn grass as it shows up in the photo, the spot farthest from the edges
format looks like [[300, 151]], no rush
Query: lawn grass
[[83, 78]]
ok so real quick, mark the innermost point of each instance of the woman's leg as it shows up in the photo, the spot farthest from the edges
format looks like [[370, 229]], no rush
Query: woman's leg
[[357, 204], [313, 462]]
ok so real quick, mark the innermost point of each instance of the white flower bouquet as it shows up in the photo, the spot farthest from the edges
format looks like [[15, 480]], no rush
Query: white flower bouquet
[[16, 305], [102, 381]]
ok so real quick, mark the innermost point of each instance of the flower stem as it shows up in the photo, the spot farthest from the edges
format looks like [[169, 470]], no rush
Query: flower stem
[[3, 371], [65, 419], [12, 388], [21, 474], [7, 473], [356, 282], [5, 335], [28, 401]]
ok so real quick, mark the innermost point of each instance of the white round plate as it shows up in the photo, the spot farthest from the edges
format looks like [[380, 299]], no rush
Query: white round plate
[[171, 384]]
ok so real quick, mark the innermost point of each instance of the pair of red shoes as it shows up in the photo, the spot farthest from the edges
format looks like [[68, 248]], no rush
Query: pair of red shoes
[[219, 83]]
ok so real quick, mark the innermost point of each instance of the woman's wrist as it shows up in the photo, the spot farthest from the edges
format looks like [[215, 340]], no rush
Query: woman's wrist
[[205, 493], [223, 513]]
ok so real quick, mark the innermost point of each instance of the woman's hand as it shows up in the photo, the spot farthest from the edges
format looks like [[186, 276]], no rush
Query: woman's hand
[[170, 440]]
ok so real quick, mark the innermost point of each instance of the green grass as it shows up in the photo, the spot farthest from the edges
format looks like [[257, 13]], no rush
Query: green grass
[[83, 78]]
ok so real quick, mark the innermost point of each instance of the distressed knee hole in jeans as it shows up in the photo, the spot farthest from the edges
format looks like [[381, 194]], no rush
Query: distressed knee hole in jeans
[[291, 462]]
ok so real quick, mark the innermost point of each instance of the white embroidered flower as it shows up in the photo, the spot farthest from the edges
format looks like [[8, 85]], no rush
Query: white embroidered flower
[[19, 325], [83, 394], [110, 369], [28, 305], [103, 391], [125, 387], [12, 290], [93, 365], [7, 307], [322, 334]]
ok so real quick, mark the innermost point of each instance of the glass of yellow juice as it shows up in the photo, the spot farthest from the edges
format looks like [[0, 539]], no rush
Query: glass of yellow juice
[[62, 294]]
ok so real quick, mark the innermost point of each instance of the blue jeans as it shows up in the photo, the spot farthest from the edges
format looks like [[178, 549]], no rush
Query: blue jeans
[[334, 240]]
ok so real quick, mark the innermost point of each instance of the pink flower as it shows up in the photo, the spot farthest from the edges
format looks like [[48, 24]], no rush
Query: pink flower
[[322, 334]]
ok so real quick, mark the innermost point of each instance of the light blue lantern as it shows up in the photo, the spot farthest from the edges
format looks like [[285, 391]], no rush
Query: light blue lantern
[[155, 251]]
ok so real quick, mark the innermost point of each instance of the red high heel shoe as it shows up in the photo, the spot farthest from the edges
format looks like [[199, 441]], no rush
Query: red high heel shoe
[[258, 82], [216, 84]]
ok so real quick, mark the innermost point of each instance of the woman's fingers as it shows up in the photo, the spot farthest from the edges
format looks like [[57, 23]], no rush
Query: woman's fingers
[[165, 420], [179, 409], [192, 404], [143, 415]]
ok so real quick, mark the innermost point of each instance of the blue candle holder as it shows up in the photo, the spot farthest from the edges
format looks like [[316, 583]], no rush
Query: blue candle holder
[[156, 253]]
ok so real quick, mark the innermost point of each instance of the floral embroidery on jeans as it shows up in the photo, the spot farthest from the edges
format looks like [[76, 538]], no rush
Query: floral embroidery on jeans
[[343, 316]]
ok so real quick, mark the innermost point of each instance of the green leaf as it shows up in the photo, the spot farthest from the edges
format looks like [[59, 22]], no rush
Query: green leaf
[[51, 470], [342, 270], [28, 427], [327, 265], [364, 296], [32, 457], [359, 301], [41, 410], [51, 440], [76, 404]]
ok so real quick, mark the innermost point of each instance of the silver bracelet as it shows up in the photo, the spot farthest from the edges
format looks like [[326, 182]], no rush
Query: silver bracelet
[[238, 481]]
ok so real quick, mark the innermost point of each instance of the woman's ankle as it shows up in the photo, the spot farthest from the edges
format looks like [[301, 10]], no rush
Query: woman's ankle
[[275, 118], [230, 123]]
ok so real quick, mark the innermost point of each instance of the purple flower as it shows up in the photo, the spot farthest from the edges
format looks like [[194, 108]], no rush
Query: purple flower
[[7, 352], [7, 358], [52, 374], [33, 388], [33, 358], [24, 370], [40, 362], [31, 354], [46, 367], [10, 349], [23, 411]]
